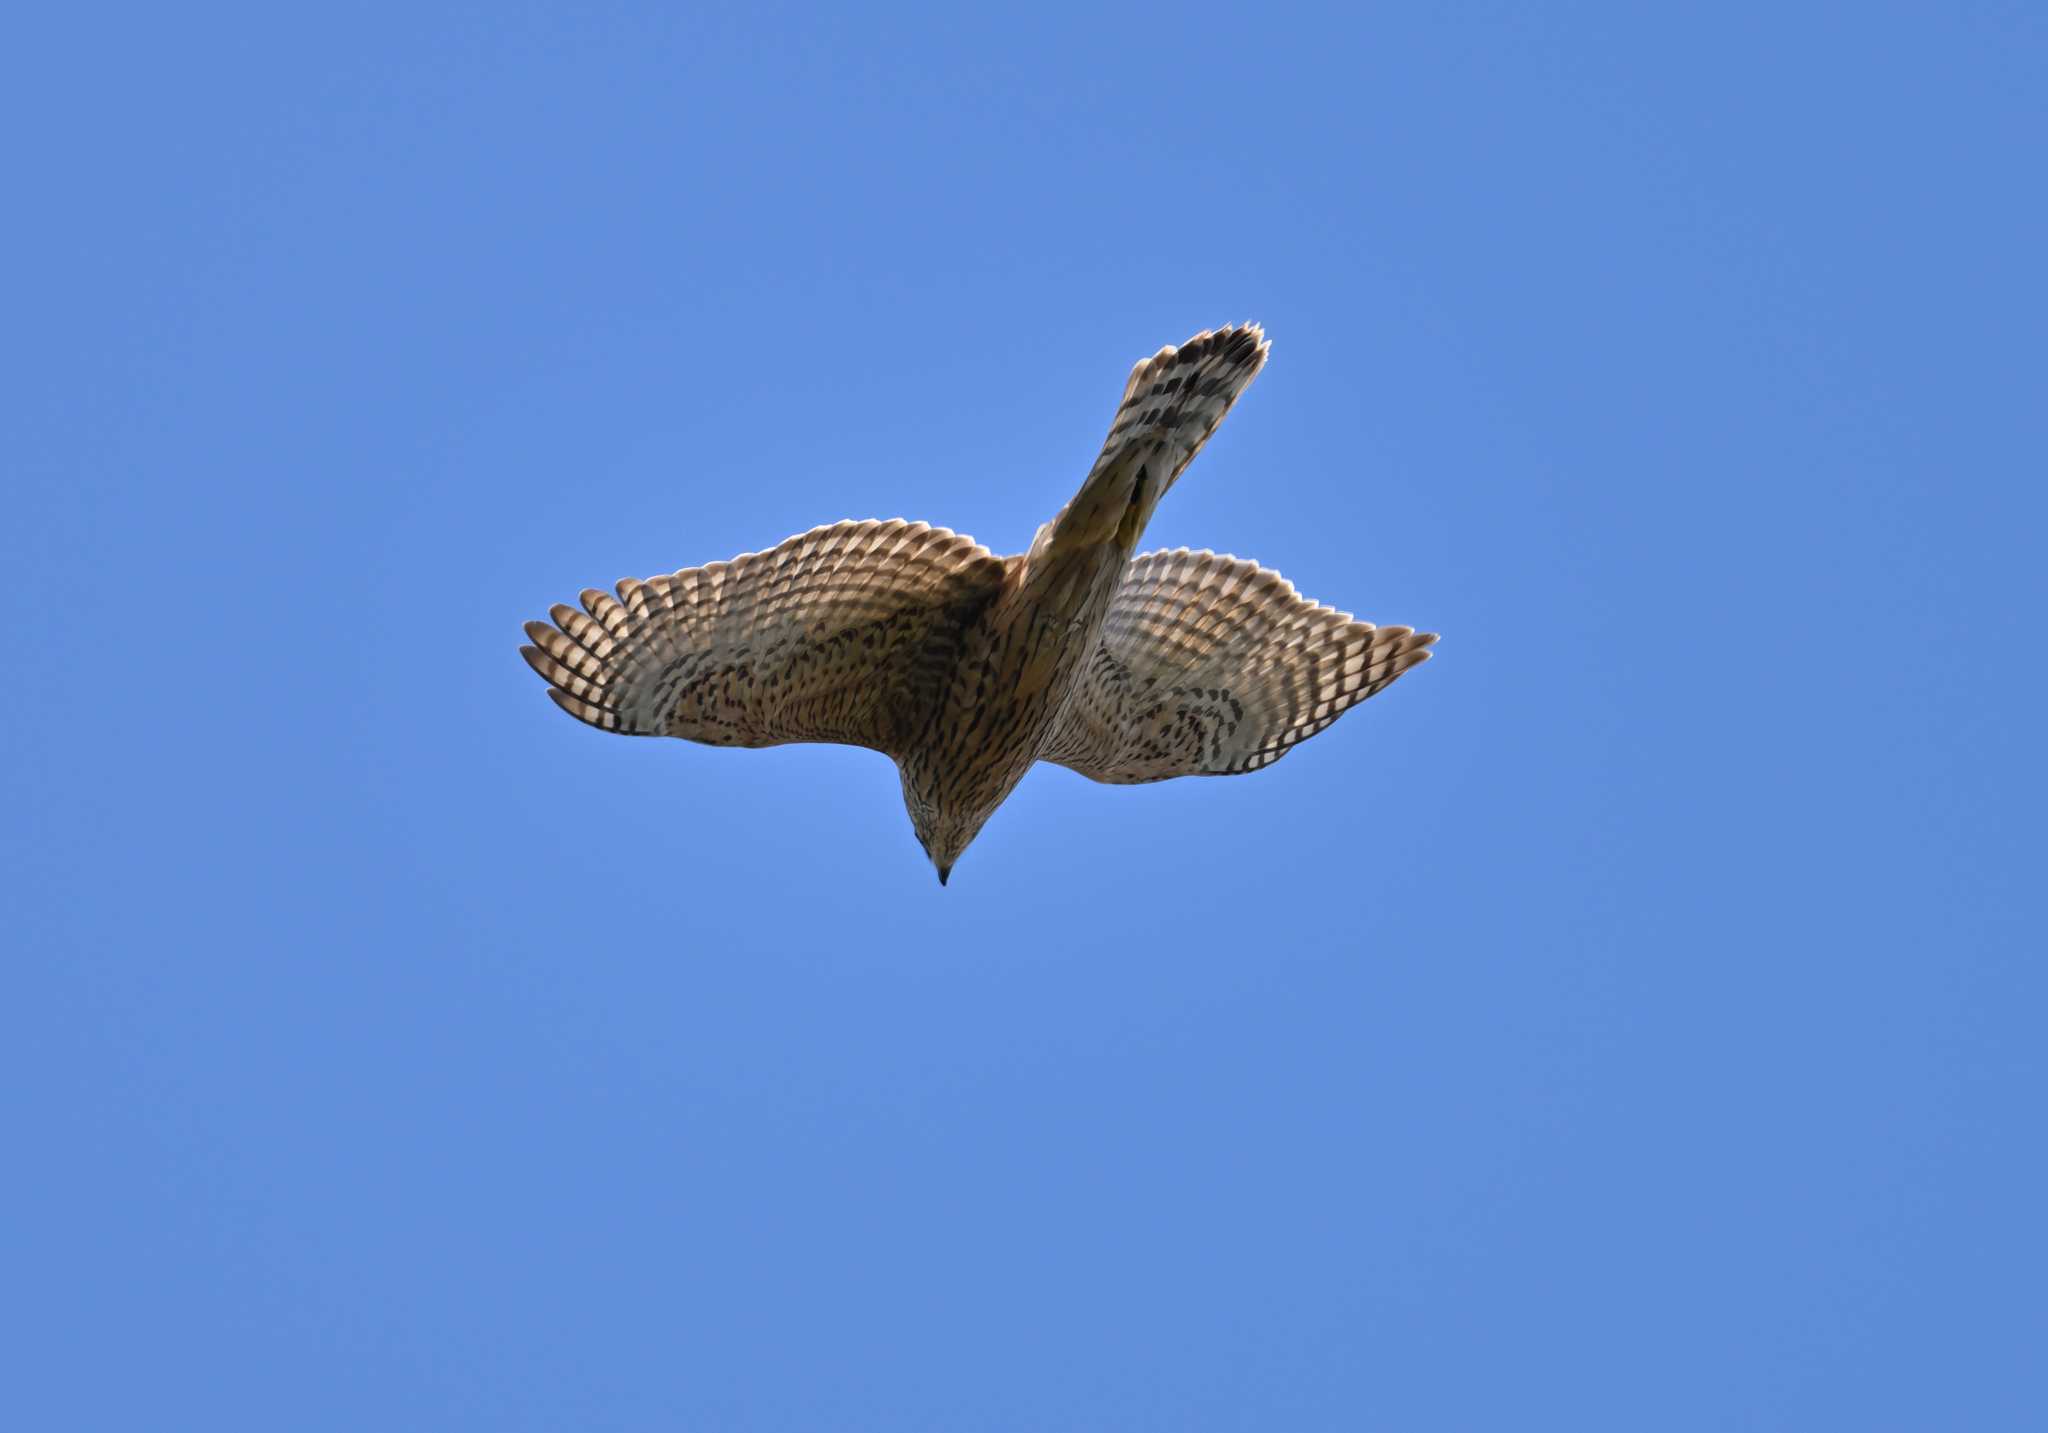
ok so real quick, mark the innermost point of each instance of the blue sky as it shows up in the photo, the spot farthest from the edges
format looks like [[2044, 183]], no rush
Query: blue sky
[[1625, 1022]]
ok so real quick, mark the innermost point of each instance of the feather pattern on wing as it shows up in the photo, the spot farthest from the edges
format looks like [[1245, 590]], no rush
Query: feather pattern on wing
[[845, 633], [1213, 666]]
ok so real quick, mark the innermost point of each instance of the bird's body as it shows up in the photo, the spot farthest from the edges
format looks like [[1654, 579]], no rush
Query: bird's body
[[966, 668], [1017, 668]]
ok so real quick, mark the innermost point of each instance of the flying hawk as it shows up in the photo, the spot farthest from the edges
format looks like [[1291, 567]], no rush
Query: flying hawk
[[964, 668]]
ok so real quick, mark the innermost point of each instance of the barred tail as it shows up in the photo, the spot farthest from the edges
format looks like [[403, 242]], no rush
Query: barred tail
[[1173, 401]]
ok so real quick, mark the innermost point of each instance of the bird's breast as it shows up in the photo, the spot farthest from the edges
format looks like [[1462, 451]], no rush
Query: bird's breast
[[1017, 667]]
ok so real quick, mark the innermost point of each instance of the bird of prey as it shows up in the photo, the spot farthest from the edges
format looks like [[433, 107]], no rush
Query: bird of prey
[[965, 668]]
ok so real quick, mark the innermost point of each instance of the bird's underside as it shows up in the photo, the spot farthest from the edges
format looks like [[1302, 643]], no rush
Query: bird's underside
[[966, 668]]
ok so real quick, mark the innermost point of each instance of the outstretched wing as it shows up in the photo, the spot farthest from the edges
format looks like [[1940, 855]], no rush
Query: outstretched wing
[[841, 634], [1211, 666]]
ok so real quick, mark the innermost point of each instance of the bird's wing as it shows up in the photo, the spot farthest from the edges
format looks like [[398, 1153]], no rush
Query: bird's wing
[[841, 634], [1211, 666]]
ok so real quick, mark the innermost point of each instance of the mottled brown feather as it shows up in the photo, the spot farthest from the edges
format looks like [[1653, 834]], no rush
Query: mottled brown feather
[[1214, 666], [825, 637]]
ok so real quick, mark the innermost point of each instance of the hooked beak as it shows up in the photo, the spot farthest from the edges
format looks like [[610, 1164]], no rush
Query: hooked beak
[[944, 871]]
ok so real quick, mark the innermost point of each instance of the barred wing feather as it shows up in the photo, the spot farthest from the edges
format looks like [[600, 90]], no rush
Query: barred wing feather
[[1214, 666], [845, 633]]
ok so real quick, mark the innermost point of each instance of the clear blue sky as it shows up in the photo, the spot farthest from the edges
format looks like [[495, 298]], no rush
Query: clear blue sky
[[1633, 1020]]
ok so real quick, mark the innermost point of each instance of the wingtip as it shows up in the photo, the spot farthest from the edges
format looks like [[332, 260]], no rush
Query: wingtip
[[589, 713]]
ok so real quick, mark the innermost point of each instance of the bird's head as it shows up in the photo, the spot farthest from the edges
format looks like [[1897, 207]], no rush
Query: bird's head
[[944, 842], [943, 830]]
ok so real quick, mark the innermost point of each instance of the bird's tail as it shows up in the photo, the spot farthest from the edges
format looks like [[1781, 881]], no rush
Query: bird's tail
[[1173, 401]]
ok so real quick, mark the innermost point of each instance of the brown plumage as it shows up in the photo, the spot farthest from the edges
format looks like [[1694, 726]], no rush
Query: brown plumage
[[966, 668]]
